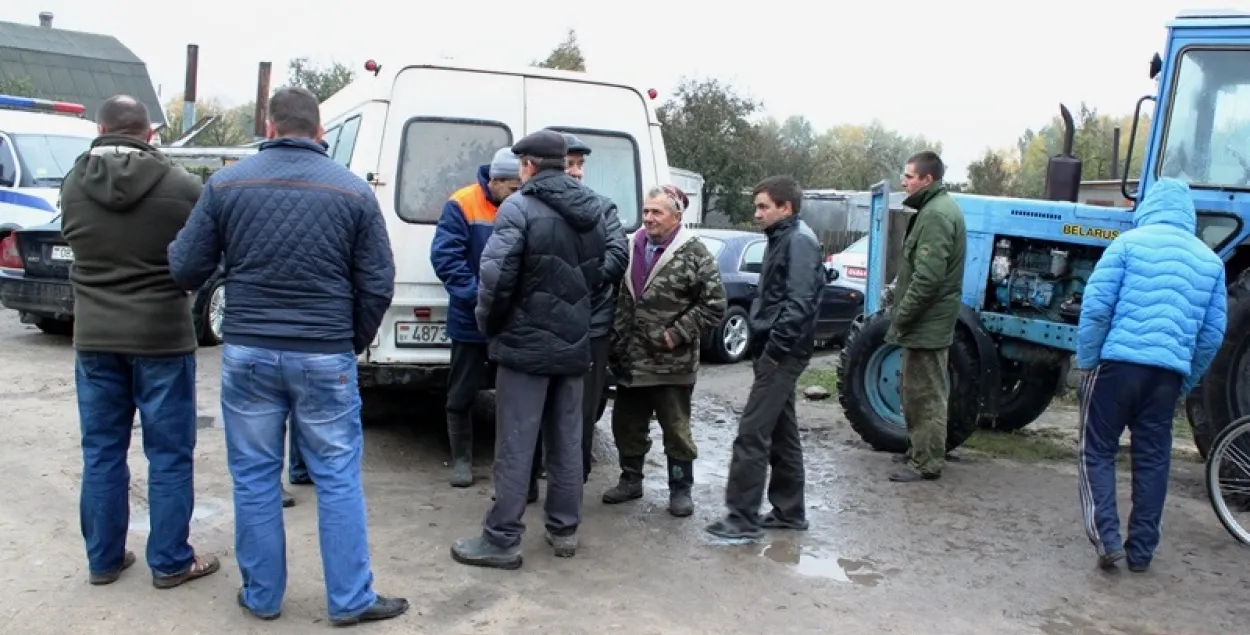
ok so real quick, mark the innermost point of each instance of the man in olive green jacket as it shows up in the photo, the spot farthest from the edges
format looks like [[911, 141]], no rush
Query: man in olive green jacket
[[927, 299]]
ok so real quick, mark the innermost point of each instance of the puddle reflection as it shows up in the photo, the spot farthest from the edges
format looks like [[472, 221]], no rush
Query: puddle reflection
[[821, 564]]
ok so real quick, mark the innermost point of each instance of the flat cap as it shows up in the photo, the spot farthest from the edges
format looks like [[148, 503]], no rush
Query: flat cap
[[544, 144], [576, 146]]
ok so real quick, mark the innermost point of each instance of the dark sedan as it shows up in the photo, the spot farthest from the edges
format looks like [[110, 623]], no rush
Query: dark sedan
[[740, 255], [34, 281]]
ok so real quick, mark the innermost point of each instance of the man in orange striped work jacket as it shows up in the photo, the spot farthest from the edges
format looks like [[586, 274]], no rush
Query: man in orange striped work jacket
[[463, 229]]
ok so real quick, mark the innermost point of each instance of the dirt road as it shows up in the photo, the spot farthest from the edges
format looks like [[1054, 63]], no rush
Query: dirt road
[[995, 547]]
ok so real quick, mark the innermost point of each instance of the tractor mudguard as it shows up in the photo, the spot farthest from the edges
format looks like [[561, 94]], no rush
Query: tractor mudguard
[[990, 368]]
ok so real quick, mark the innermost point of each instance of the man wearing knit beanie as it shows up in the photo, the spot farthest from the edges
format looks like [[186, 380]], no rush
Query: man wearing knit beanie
[[463, 229]]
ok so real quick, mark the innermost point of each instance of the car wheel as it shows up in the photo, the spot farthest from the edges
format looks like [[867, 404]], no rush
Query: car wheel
[[55, 327], [729, 341], [212, 310]]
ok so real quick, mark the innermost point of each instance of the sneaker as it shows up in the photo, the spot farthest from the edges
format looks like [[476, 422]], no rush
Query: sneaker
[[383, 608], [732, 529], [479, 552], [1107, 561], [772, 521]]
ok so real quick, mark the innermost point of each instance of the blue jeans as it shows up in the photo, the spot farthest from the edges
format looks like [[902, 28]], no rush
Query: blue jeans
[[297, 470], [260, 390], [110, 388]]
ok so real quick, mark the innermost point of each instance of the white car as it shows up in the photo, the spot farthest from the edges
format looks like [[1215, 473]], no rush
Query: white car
[[852, 265]]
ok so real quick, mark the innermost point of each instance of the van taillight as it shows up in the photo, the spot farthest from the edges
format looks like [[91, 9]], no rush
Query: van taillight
[[9, 256], [422, 313]]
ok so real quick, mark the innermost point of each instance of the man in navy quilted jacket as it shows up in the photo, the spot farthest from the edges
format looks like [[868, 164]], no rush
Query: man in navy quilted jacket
[[309, 275], [1152, 319]]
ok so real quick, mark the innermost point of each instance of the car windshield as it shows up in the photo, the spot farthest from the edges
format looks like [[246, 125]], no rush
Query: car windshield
[[713, 245], [48, 158], [1208, 132]]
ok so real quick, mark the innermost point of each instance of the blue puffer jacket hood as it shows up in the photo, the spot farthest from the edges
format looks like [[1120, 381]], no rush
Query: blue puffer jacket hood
[[1167, 202]]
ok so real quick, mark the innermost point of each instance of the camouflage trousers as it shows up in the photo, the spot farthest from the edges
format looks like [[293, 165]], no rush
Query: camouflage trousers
[[925, 389], [631, 420]]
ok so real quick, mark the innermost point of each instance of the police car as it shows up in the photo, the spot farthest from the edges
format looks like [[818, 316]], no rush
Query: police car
[[39, 142]]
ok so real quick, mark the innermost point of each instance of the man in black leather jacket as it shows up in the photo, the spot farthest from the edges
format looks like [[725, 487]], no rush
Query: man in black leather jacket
[[783, 334]]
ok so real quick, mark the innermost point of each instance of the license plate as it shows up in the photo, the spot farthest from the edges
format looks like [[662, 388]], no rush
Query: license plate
[[62, 253], [856, 272], [421, 334]]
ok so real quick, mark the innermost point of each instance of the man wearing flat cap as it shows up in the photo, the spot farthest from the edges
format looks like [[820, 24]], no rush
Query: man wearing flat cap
[[465, 225], [539, 272], [603, 306]]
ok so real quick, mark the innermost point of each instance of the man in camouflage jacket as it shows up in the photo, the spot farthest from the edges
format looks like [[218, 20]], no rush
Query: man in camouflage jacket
[[672, 294]]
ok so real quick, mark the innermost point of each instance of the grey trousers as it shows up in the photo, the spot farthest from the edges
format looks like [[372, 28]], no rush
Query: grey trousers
[[525, 404]]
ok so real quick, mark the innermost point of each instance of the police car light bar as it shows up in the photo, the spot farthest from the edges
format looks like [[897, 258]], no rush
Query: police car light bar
[[41, 105]]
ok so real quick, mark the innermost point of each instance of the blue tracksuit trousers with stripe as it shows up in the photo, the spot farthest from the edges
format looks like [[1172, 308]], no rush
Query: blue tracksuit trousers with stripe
[[1115, 396]]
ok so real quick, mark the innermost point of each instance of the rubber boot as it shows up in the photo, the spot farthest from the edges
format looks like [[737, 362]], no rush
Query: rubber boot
[[629, 487], [460, 433], [680, 480]]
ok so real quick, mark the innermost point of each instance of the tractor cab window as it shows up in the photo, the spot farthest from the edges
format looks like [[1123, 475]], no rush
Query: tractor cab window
[[1207, 136]]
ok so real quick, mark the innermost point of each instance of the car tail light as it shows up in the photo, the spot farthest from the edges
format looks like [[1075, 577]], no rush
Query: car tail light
[[9, 256]]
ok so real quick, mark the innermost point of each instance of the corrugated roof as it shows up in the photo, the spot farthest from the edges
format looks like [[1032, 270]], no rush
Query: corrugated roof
[[84, 68]]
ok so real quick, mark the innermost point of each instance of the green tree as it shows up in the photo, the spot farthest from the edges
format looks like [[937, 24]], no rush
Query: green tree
[[852, 157], [707, 129], [566, 56], [322, 82], [233, 126], [994, 174], [18, 87]]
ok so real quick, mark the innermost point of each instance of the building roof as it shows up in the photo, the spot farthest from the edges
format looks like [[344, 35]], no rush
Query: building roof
[[84, 68]]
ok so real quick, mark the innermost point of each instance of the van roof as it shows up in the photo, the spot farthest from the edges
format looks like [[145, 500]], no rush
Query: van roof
[[368, 87], [23, 122]]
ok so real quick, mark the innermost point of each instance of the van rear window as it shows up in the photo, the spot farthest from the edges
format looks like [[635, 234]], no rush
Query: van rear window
[[612, 170], [438, 157]]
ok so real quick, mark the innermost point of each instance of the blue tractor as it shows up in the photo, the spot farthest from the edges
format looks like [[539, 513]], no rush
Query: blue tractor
[[1028, 260]]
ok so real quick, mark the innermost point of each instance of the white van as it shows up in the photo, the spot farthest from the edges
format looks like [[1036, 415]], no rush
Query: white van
[[39, 142], [417, 133]]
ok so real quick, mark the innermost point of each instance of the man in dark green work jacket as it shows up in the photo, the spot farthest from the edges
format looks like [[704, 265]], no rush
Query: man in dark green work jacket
[[929, 285]]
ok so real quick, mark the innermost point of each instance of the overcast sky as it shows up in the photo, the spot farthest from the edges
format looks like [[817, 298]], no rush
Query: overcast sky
[[972, 75]]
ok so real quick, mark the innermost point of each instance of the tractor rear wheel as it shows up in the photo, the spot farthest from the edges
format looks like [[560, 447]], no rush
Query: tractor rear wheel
[[1224, 394], [869, 371], [1027, 392]]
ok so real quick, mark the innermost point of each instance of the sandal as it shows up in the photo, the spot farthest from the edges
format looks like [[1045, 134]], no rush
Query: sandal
[[128, 560], [200, 566]]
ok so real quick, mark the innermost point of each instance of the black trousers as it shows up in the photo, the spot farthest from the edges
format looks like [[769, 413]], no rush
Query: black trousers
[[471, 371], [593, 385], [768, 437]]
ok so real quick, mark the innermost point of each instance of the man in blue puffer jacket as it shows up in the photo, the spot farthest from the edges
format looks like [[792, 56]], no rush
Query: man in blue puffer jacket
[[1152, 319]]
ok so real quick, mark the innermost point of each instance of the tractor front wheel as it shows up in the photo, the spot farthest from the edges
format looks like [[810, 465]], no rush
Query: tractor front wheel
[[869, 374]]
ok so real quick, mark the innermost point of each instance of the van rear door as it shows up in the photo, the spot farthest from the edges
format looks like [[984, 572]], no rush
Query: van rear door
[[442, 124], [615, 121]]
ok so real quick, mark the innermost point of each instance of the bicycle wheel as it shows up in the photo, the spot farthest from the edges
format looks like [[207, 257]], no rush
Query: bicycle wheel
[[1228, 478]]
